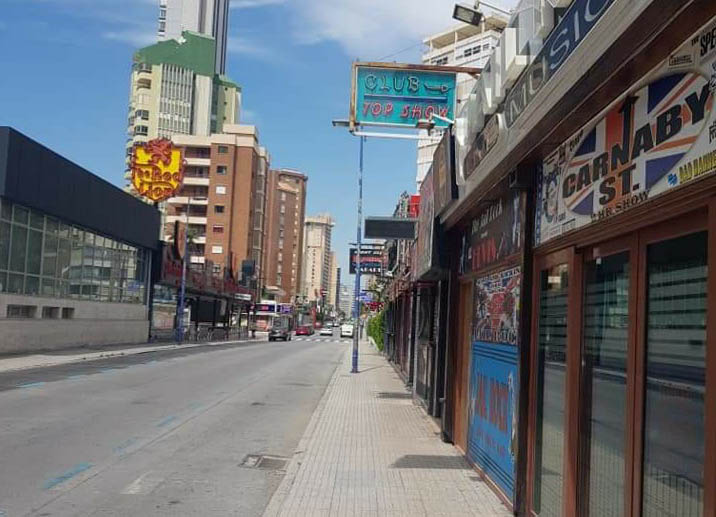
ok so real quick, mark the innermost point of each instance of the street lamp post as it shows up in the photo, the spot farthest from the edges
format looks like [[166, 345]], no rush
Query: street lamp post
[[356, 290]]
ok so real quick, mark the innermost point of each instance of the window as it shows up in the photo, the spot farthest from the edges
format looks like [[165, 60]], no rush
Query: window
[[283, 196], [221, 189], [280, 244], [283, 208], [51, 313], [143, 114], [217, 269], [218, 209], [21, 311], [218, 228], [217, 249], [486, 46], [467, 52], [141, 130], [221, 169], [222, 149], [68, 313]]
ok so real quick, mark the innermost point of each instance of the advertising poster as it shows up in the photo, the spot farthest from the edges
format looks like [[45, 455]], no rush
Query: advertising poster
[[496, 307], [495, 233], [658, 136], [492, 439]]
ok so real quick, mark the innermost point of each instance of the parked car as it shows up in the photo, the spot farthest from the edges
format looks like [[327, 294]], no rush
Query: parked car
[[347, 330], [326, 331], [304, 330]]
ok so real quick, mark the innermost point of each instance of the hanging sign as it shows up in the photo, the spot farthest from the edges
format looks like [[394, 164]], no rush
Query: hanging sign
[[425, 255], [371, 261], [400, 94], [654, 139], [482, 145], [444, 182], [157, 169]]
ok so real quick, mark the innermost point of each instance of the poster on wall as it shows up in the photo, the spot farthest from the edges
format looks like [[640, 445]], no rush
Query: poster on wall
[[492, 415], [492, 438], [496, 307], [494, 234], [659, 135]]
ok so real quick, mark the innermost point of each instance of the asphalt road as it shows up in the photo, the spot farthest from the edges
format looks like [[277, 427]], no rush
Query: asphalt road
[[162, 433]]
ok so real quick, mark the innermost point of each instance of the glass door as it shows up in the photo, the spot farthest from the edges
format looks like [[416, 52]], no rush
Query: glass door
[[550, 348], [675, 360], [603, 384]]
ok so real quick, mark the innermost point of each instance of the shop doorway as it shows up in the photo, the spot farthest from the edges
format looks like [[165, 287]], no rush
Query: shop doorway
[[619, 362]]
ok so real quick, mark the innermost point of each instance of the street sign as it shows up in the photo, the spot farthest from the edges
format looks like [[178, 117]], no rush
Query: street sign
[[371, 260], [398, 95]]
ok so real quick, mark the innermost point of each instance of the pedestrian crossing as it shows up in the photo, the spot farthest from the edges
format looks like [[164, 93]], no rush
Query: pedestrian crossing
[[323, 339]]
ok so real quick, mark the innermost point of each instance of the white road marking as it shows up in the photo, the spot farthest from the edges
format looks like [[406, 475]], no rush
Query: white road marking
[[143, 484]]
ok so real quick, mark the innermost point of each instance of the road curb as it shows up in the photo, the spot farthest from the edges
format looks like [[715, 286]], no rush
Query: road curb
[[279, 496], [87, 357]]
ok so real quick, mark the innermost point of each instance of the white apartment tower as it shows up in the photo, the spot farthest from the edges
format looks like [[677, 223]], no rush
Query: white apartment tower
[[208, 17], [462, 45], [316, 256]]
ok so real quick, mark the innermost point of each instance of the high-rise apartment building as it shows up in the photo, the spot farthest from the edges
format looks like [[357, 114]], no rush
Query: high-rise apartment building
[[285, 217], [462, 45], [345, 301], [223, 199], [316, 256], [208, 17]]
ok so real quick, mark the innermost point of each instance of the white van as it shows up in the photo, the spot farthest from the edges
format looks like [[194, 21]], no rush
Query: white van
[[347, 330]]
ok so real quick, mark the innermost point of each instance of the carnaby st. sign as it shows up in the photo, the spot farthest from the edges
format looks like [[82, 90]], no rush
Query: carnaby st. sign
[[655, 138]]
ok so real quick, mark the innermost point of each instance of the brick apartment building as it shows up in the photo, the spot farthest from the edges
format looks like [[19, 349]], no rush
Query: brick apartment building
[[224, 190], [285, 216]]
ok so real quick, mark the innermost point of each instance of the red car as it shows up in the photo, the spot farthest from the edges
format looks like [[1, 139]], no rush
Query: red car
[[304, 330]]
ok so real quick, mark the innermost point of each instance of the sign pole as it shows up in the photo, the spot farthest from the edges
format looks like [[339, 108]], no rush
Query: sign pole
[[356, 291], [182, 289]]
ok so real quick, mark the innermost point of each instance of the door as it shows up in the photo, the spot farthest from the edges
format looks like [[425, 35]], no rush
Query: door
[[607, 338], [551, 327]]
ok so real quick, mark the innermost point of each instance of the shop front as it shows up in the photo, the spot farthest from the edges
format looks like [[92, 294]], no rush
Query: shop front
[[623, 339]]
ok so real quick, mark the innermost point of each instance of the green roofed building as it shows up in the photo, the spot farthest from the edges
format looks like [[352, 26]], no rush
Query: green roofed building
[[176, 91]]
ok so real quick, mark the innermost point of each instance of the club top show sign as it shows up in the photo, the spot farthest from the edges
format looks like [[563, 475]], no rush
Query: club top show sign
[[393, 94]]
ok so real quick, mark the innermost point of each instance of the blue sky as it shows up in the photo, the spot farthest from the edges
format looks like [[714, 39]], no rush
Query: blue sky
[[66, 84]]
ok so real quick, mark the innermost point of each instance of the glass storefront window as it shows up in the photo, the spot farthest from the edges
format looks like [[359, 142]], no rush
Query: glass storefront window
[[673, 462], [18, 249], [551, 368], [40, 255]]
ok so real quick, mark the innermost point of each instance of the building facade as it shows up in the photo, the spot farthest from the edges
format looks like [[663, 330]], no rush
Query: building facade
[[223, 200], [208, 17], [285, 218], [579, 280], [75, 253], [316, 257], [462, 45]]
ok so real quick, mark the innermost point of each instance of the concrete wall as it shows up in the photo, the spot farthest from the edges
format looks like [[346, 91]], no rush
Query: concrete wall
[[94, 323]]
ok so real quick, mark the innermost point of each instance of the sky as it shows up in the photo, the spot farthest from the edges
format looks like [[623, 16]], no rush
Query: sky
[[66, 67]]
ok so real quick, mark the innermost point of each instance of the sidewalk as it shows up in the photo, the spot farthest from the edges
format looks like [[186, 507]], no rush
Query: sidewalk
[[369, 451], [74, 355]]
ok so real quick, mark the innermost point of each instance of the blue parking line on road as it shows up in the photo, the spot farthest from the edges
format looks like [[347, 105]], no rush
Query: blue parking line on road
[[120, 449], [167, 420], [77, 469], [31, 385]]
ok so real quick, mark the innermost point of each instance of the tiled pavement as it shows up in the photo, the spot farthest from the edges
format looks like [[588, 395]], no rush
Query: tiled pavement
[[369, 451]]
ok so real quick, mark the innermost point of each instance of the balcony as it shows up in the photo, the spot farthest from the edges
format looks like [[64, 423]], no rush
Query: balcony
[[201, 162], [192, 180], [193, 219], [183, 200], [199, 239]]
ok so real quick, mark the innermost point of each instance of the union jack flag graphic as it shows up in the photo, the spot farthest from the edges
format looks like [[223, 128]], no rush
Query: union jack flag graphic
[[650, 131]]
